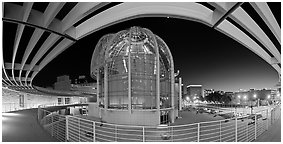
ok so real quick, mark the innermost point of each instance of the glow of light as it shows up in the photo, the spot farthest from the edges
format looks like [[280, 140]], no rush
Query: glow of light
[[187, 98], [4, 118], [245, 97], [9, 114], [254, 95], [268, 96], [239, 96]]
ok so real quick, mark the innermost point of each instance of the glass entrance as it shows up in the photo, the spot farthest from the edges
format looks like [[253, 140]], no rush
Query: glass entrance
[[164, 117]]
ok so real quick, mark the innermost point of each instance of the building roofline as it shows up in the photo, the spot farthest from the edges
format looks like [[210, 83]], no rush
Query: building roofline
[[194, 86]]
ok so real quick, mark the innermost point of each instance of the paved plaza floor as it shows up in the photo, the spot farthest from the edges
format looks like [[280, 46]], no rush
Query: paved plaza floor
[[22, 126], [273, 134], [189, 117]]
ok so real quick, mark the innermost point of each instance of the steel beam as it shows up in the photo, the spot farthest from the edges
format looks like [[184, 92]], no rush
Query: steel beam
[[226, 13], [265, 13], [18, 36], [64, 44], [232, 31], [51, 11], [43, 49], [23, 17], [243, 19], [77, 13], [194, 11], [19, 67]]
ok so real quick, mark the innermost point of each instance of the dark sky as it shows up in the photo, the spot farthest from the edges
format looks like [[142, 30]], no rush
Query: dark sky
[[202, 54]]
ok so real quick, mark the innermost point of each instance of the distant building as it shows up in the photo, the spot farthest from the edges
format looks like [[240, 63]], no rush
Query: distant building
[[246, 97], [82, 79], [229, 93], [221, 92], [206, 92], [89, 88], [194, 91], [63, 83]]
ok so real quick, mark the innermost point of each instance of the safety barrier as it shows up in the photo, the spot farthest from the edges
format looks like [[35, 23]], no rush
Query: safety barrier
[[8, 107], [236, 129]]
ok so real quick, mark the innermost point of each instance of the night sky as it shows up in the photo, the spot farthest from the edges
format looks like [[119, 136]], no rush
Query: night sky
[[202, 54]]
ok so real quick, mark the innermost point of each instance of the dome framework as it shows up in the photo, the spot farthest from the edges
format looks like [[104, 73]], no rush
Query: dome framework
[[134, 70]]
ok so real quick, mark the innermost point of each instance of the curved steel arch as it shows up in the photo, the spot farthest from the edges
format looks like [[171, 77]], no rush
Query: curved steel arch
[[216, 18], [193, 11]]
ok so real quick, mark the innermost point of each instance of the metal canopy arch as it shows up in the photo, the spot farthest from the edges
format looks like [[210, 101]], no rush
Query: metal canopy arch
[[25, 15]]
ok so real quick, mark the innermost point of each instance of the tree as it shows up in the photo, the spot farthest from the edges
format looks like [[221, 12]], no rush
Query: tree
[[217, 97]]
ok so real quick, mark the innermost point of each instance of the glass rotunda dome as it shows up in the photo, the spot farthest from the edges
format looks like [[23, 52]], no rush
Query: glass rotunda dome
[[134, 69]]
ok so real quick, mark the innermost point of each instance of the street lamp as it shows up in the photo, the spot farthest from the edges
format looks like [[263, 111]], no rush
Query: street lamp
[[257, 100]]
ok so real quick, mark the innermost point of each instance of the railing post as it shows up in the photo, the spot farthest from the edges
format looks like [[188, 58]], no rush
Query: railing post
[[93, 131], [172, 134], [220, 131], [236, 129], [143, 134], [266, 119], [38, 113], [79, 129], [67, 129], [115, 133], [52, 125], [247, 132], [198, 131], [255, 126]]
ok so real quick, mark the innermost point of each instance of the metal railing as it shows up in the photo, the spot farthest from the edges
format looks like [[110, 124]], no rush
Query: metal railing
[[236, 129], [8, 107]]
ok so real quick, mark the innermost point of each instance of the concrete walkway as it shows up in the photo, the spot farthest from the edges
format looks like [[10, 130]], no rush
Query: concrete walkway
[[273, 134], [22, 126]]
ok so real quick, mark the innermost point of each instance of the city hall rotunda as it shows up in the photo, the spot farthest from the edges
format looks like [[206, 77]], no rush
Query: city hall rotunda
[[135, 79]]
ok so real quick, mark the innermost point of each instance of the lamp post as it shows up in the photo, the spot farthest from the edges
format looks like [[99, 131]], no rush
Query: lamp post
[[245, 99], [268, 97], [257, 100], [239, 97]]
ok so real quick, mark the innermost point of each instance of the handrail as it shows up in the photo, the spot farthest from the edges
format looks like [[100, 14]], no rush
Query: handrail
[[81, 129]]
